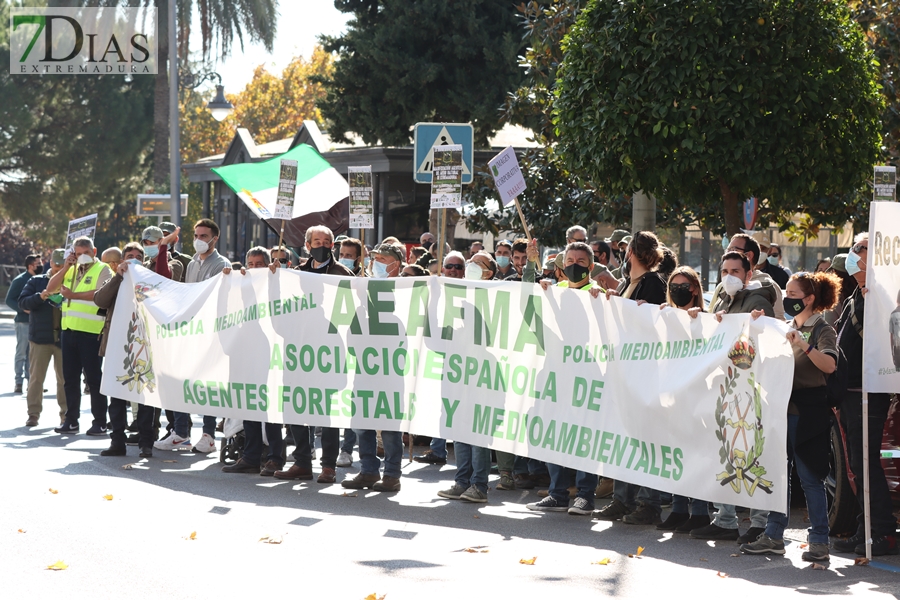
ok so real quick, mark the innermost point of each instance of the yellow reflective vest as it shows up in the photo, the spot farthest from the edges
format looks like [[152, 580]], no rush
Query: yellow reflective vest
[[83, 315]]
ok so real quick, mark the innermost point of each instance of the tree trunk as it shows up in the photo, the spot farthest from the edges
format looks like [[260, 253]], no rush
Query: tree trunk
[[732, 209], [161, 104]]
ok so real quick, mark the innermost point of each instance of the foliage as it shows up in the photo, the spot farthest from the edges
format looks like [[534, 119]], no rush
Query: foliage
[[14, 243], [720, 98], [406, 62]]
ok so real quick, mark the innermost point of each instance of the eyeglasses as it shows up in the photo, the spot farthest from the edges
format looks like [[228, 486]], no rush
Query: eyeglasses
[[582, 240], [283, 261], [860, 247], [775, 255], [454, 266]]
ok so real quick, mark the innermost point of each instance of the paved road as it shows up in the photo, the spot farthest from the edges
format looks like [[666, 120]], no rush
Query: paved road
[[406, 545]]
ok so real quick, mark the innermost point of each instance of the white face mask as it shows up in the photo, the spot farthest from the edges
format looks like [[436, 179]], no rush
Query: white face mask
[[85, 259], [762, 258], [732, 285], [473, 272], [201, 247]]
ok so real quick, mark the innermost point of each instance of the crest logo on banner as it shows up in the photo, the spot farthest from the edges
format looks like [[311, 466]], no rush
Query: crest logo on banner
[[740, 432], [138, 363]]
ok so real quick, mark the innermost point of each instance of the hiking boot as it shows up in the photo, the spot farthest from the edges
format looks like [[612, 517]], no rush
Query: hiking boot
[[766, 545], [454, 492], [816, 552], [849, 544], [582, 506], [387, 484], [31, 422], [695, 522], [881, 545], [430, 458], [673, 521], [241, 466], [361, 481], [18, 389], [114, 450], [549, 504], [613, 511], [644, 514], [270, 468], [327, 476], [604, 488], [506, 481], [523, 481], [751, 536], [714, 532], [473, 494]]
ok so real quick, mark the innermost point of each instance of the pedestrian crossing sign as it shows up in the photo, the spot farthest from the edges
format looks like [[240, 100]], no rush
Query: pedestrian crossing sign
[[428, 135]]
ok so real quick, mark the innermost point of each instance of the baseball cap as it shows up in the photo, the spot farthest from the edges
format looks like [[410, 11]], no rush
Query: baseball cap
[[550, 264], [340, 239], [627, 239], [617, 236], [389, 250], [152, 234], [167, 227], [560, 261], [839, 263], [58, 256], [762, 239]]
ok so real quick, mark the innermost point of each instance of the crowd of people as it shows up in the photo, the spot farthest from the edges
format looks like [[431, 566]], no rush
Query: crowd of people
[[64, 310]]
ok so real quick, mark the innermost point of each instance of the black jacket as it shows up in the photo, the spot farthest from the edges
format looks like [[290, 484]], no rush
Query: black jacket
[[851, 342], [651, 288], [778, 274], [44, 325]]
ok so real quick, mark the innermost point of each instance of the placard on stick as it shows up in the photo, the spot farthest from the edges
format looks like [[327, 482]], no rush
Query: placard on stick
[[83, 226], [446, 176], [509, 180], [362, 212], [885, 183]]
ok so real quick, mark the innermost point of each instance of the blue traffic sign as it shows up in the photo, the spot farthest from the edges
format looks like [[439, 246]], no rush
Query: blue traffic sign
[[428, 135]]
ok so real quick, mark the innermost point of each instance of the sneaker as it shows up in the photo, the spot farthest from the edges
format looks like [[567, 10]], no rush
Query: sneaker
[[96, 431], [673, 521], [344, 460], [473, 494], [172, 442], [816, 552], [613, 511], [695, 522], [714, 532], [751, 536], [881, 545], [765, 545], [430, 458], [849, 544], [644, 514], [549, 504], [67, 428], [205, 445], [506, 481], [453, 493], [582, 506]]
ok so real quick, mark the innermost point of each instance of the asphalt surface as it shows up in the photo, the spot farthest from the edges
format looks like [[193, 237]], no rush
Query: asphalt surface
[[411, 544]]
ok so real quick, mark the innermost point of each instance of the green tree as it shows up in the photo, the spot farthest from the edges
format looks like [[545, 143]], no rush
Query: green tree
[[403, 62], [706, 99]]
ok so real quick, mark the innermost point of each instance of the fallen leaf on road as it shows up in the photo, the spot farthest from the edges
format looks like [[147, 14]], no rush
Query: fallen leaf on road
[[349, 495], [128, 467], [108, 497], [193, 536], [818, 567], [475, 517], [640, 549], [527, 561], [374, 596], [21, 531], [52, 491], [170, 461], [804, 545], [721, 574], [58, 566], [862, 561], [271, 539], [476, 550], [602, 561], [704, 560], [735, 555]]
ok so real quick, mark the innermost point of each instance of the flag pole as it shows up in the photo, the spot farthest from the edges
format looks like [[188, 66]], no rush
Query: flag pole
[[281, 235], [867, 511]]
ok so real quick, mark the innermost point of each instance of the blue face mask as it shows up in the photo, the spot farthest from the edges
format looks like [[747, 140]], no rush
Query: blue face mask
[[852, 263], [773, 260], [348, 262], [151, 251], [366, 262], [379, 270], [133, 261], [502, 261]]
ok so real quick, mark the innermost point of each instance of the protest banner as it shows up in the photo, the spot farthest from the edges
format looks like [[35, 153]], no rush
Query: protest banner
[[362, 213], [881, 363], [83, 226], [691, 406]]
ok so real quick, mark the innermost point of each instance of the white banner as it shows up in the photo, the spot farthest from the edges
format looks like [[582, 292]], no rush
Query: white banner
[[649, 396], [881, 360]]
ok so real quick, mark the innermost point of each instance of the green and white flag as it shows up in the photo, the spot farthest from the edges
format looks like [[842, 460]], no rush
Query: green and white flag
[[319, 185]]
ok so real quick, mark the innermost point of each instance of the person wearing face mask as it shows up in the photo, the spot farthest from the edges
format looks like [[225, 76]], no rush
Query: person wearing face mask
[[387, 260], [351, 256], [481, 267], [206, 263], [43, 339], [622, 271], [33, 267], [850, 338], [750, 247], [618, 245], [503, 255], [768, 261], [809, 416], [775, 259], [638, 505], [740, 295], [82, 321], [157, 244]]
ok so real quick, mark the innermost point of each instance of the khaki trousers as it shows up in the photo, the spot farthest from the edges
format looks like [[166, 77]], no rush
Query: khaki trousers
[[40, 360]]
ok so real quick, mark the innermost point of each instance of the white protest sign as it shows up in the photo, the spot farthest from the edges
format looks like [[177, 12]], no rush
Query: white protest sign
[[881, 362], [446, 176], [691, 406], [287, 183], [507, 175], [83, 226], [362, 212]]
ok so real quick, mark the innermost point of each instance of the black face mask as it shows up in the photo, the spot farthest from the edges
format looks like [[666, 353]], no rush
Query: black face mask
[[681, 294], [320, 254], [38, 269], [793, 306], [428, 244], [576, 273]]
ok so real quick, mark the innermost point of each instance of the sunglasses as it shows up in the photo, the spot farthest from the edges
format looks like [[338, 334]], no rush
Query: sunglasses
[[860, 247], [680, 286], [454, 266], [283, 261]]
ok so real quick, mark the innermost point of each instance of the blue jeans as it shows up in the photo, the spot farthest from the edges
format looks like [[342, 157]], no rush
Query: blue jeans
[[439, 448], [253, 442], [697, 507], [560, 477], [473, 465], [628, 494], [370, 464], [182, 425], [21, 361], [814, 489], [349, 441], [726, 516]]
